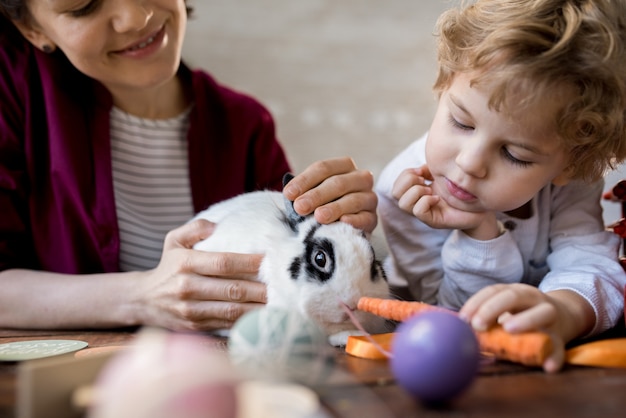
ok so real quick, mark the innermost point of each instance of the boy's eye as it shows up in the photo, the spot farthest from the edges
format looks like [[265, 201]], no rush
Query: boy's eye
[[455, 123], [85, 10], [513, 160]]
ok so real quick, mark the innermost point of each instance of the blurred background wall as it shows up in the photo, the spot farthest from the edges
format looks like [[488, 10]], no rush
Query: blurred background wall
[[347, 77]]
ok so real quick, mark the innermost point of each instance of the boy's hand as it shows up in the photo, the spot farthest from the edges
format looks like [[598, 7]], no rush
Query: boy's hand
[[521, 308], [417, 194]]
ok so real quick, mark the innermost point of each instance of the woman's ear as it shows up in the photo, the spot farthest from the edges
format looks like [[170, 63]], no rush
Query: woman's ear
[[34, 35]]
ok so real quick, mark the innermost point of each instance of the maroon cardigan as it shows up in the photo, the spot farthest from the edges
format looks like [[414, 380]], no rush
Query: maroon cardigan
[[57, 208]]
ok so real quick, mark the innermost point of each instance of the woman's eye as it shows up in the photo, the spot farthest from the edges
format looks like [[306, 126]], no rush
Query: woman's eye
[[513, 160], [87, 9], [456, 124]]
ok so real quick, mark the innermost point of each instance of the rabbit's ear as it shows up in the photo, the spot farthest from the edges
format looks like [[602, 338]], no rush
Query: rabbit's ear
[[292, 216], [287, 178]]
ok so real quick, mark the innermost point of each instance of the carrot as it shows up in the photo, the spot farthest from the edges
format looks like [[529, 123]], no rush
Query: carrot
[[528, 348], [395, 310]]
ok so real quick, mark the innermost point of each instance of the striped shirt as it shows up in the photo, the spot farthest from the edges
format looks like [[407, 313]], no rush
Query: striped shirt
[[151, 184]]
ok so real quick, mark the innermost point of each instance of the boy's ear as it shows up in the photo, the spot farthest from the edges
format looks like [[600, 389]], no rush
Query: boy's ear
[[34, 35]]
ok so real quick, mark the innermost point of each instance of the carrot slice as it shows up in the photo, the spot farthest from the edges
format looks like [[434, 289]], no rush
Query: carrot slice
[[602, 353], [360, 346]]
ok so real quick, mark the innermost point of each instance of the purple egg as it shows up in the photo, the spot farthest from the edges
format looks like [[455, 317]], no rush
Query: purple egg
[[435, 356]]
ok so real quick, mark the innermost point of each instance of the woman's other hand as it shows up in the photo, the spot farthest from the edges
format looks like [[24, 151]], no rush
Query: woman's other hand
[[335, 189]]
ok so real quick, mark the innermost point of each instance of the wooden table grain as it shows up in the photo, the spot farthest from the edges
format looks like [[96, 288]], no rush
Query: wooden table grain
[[360, 388]]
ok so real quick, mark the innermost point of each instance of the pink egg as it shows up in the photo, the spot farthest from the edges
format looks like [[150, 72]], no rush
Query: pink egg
[[166, 374], [435, 356]]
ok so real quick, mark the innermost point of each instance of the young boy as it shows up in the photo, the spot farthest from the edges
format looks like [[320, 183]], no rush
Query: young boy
[[496, 211]]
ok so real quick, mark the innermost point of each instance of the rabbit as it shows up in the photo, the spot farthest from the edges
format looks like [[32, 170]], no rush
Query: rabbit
[[307, 266]]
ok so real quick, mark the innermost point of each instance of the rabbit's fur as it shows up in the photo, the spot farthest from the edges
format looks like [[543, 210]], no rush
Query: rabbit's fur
[[307, 266]]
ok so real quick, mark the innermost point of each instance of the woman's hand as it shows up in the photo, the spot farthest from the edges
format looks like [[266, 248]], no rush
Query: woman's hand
[[519, 307], [335, 189], [197, 290]]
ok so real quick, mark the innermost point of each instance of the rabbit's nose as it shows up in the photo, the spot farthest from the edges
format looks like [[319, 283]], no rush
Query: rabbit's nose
[[351, 305]]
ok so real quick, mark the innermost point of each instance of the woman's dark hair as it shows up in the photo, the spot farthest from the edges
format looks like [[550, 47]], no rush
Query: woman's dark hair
[[13, 9], [16, 9]]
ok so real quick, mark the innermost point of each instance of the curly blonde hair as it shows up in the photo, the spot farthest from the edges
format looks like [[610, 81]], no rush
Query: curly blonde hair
[[539, 47]]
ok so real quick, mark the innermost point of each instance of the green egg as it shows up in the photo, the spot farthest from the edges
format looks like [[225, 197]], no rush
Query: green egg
[[278, 343]]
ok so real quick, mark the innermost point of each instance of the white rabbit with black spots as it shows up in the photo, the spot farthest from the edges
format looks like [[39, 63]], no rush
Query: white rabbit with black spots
[[307, 266]]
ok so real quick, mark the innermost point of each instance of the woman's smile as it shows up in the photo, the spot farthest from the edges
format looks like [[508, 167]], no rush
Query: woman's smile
[[144, 47]]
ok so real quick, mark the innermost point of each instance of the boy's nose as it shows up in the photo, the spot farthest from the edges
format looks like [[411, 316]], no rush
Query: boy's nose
[[473, 159]]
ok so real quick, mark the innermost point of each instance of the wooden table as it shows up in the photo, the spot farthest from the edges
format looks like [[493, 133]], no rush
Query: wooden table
[[366, 388], [8, 370]]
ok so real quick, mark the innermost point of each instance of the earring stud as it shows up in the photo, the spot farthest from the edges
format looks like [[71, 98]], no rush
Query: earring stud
[[48, 49]]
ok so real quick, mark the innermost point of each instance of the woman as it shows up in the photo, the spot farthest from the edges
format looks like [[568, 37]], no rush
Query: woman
[[107, 144]]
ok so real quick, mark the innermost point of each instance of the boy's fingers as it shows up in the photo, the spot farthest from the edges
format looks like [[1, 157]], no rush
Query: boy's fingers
[[556, 359]]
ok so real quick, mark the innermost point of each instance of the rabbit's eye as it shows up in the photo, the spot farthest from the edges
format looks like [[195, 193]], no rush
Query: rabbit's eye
[[320, 259]]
